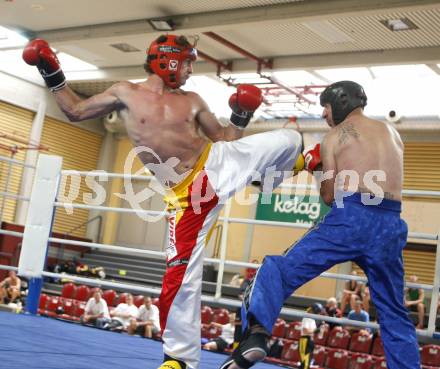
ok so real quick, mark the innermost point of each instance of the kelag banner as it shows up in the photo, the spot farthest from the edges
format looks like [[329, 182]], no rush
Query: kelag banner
[[291, 208]]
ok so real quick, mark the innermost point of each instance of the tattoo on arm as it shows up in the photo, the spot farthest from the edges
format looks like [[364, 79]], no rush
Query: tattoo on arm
[[345, 132]]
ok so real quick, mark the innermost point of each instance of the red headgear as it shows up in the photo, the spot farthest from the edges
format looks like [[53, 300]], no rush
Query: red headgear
[[166, 56]]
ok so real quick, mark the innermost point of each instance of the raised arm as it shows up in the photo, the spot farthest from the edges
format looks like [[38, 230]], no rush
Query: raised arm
[[77, 109], [212, 128], [243, 104], [38, 53]]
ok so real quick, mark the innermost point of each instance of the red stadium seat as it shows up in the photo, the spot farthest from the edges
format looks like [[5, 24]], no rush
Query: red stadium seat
[[51, 306], [430, 355], [361, 361], [68, 291], [122, 298], [321, 336], [337, 359], [156, 302], [319, 355], [339, 338], [68, 307], [293, 331], [279, 328], [82, 293], [42, 303], [380, 363], [79, 308], [207, 314], [377, 349], [110, 297], [360, 342], [221, 316], [138, 300], [290, 352]]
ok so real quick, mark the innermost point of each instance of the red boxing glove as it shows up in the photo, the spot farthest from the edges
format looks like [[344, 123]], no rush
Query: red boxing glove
[[243, 103], [312, 158], [37, 52]]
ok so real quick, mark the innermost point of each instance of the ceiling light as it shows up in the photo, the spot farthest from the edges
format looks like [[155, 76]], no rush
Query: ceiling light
[[124, 47], [162, 24], [400, 24]]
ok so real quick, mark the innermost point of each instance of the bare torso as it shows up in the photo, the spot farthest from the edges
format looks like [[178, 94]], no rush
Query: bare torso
[[364, 145], [164, 123]]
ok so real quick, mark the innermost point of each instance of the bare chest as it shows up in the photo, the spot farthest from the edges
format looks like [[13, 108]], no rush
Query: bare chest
[[149, 111]]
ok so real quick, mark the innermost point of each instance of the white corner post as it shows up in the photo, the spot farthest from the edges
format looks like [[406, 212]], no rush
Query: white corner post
[[38, 226], [31, 159]]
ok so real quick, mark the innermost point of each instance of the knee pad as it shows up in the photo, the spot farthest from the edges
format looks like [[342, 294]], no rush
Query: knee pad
[[255, 343]]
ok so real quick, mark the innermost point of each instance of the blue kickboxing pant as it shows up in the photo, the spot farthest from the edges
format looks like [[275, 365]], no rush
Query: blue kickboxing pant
[[372, 236]]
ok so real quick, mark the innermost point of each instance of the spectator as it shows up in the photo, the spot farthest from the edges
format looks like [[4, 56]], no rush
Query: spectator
[[236, 281], [147, 322], [315, 308], [331, 309], [10, 288], [351, 293], [360, 315], [415, 301], [226, 339], [366, 297], [96, 311], [123, 314]]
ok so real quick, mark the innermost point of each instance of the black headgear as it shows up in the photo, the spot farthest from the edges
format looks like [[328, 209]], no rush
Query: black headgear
[[317, 308], [343, 97]]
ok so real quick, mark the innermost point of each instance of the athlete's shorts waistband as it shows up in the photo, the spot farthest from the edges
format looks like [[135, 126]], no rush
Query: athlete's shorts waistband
[[367, 200]]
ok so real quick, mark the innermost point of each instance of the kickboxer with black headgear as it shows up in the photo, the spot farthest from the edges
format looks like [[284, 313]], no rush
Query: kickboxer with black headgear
[[360, 170]]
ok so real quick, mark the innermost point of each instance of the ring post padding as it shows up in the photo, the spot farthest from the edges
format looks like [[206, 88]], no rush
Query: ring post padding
[[38, 225]]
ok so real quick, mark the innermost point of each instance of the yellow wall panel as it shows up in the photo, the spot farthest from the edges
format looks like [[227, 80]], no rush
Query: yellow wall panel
[[80, 151], [422, 166], [18, 122]]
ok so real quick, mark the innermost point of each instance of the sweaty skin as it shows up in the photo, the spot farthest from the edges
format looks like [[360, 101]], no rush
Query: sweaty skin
[[172, 123], [361, 144]]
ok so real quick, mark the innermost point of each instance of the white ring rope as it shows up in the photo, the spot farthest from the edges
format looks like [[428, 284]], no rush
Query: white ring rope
[[97, 173], [14, 196], [108, 208], [16, 162]]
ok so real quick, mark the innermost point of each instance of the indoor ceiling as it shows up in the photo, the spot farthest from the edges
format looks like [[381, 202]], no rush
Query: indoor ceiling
[[295, 35]]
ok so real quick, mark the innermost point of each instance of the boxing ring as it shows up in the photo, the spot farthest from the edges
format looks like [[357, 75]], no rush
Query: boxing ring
[[122, 350]]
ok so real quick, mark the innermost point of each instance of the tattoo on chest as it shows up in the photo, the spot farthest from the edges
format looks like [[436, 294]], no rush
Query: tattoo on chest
[[345, 132]]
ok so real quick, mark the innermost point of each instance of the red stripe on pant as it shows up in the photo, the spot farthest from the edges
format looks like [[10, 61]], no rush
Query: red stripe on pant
[[202, 200]]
